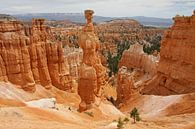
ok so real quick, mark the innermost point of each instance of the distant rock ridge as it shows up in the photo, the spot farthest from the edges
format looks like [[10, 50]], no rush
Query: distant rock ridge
[[176, 69], [79, 18], [6, 17], [28, 57]]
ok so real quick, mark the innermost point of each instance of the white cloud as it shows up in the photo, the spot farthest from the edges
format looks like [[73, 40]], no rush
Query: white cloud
[[21, 8], [156, 8]]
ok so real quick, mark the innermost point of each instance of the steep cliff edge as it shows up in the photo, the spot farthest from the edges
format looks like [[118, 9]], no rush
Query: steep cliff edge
[[176, 69], [28, 57]]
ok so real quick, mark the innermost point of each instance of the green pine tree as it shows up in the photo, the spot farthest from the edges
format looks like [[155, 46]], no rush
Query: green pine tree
[[113, 61], [135, 115]]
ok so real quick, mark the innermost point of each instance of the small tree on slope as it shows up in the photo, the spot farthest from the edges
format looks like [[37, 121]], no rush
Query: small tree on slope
[[120, 124], [135, 115]]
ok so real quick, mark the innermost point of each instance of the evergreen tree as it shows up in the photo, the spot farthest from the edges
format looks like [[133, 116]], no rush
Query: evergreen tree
[[114, 60], [135, 115], [155, 44]]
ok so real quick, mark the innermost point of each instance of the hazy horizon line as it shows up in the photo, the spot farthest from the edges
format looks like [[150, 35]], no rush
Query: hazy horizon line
[[83, 13]]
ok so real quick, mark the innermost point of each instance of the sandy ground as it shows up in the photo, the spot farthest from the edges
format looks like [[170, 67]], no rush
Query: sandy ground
[[35, 118], [157, 112], [157, 106]]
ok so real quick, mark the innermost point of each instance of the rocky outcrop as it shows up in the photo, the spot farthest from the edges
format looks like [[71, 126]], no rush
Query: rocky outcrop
[[10, 26], [135, 58], [92, 74], [125, 85], [3, 72], [87, 87], [74, 58], [15, 59], [27, 57], [176, 69], [59, 74], [115, 32]]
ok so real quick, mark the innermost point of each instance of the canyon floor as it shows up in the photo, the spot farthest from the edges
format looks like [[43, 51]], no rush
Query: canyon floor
[[171, 112]]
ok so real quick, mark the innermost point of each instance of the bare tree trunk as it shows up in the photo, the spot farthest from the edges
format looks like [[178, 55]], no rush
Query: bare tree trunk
[[134, 120]]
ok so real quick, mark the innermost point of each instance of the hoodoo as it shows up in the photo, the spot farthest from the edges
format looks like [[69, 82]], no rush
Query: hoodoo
[[92, 72], [125, 85]]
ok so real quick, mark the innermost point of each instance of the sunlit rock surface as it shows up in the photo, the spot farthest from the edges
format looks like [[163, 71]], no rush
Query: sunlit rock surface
[[28, 57], [92, 74], [176, 69]]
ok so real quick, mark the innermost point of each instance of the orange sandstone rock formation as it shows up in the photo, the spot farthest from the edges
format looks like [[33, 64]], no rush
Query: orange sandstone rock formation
[[176, 69], [15, 56], [92, 73], [125, 85], [56, 66], [135, 57], [38, 38], [74, 58], [27, 57]]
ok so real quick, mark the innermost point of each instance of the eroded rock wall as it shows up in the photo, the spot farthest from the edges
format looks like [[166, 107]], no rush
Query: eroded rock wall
[[176, 69], [15, 58], [74, 57], [28, 57], [135, 58], [125, 85]]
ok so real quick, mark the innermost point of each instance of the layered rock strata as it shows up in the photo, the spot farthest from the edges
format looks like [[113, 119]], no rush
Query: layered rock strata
[[15, 58], [125, 85], [74, 58], [92, 74], [135, 58], [176, 69], [27, 57]]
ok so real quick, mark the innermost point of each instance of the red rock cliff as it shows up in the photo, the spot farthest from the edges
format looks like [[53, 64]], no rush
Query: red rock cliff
[[176, 69]]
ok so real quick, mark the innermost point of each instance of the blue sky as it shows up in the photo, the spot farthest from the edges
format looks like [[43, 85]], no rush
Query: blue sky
[[117, 8]]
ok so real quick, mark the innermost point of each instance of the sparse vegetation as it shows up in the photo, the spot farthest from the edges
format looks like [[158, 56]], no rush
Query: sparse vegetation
[[126, 119], [155, 44], [113, 60], [120, 124], [135, 115]]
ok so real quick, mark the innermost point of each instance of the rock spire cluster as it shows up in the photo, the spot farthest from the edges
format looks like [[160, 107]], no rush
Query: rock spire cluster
[[28, 57]]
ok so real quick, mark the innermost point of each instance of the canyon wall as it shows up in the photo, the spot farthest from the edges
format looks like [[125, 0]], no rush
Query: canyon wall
[[74, 57], [135, 67], [176, 69], [28, 57]]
